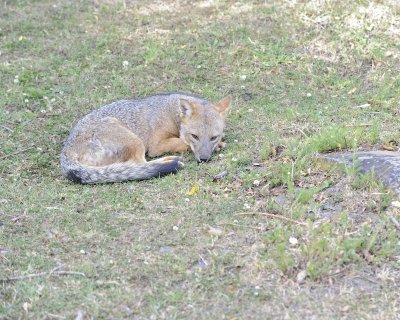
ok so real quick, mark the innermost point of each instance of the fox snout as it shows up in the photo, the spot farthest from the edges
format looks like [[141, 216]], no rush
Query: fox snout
[[204, 158], [204, 151]]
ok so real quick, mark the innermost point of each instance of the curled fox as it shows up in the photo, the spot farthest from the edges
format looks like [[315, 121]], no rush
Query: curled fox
[[109, 144]]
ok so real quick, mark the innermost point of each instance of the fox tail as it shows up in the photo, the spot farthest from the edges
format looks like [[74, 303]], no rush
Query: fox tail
[[75, 171]]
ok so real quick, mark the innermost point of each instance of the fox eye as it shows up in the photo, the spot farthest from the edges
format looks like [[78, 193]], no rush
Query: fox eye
[[214, 138], [195, 137]]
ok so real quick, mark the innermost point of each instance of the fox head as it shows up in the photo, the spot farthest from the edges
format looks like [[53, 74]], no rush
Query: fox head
[[202, 126]]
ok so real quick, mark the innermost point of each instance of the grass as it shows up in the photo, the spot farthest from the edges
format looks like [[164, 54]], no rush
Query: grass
[[176, 248]]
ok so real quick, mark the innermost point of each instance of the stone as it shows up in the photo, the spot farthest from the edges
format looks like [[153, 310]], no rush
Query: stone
[[301, 276], [385, 164]]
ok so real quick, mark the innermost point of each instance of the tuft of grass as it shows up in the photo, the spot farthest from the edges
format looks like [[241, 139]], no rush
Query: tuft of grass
[[328, 249]]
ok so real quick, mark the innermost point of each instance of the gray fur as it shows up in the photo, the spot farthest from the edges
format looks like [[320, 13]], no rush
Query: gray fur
[[130, 112], [117, 172]]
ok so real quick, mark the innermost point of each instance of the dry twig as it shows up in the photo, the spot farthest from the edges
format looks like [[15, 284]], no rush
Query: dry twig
[[359, 125], [14, 153], [363, 106], [42, 274], [6, 128], [238, 225], [302, 132], [272, 215]]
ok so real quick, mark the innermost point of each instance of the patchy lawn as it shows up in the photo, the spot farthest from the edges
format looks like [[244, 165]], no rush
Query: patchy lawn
[[307, 77]]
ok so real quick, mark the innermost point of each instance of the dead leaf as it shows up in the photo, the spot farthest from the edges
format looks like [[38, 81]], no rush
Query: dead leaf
[[293, 241], [352, 90], [362, 106], [193, 190], [231, 289], [26, 306], [345, 309], [388, 148], [367, 256], [301, 276], [79, 315], [396, 204]]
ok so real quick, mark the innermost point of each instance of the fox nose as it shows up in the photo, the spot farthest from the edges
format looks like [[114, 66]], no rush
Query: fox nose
[[204, 159]]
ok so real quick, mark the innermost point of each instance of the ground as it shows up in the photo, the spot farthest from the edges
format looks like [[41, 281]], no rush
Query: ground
[[307, 77]]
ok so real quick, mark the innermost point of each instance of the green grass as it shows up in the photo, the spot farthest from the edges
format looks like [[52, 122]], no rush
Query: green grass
[[150, 250]]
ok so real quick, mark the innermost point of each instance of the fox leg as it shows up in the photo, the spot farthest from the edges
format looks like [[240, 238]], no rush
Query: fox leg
[[168, 145], [105, 142], [221, 144]]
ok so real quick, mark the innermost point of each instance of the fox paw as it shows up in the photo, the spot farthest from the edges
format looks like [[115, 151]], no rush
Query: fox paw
[[171, 158], [220, 146], [178, 160]]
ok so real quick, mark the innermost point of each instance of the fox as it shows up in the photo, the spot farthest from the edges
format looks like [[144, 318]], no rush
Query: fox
[[110, 144]]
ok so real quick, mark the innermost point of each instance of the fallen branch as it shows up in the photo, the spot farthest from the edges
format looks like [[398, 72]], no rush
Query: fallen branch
[[42, 274], [14, 153], [238, 225], [272, 215]]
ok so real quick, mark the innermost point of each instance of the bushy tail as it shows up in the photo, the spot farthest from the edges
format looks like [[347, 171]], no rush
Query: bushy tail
[[79, 173]]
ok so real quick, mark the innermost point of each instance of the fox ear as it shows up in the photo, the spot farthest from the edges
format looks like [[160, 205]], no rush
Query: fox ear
[[187, 109], [223, 106]]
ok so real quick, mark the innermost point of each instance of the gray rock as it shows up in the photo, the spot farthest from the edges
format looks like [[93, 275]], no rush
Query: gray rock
[[386, 165]]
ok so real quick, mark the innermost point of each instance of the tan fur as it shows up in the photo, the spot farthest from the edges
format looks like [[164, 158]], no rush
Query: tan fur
[[105, 142], [110, 144]]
